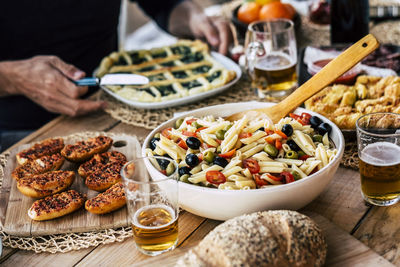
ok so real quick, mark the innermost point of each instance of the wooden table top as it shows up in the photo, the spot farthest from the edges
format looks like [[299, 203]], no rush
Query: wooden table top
[[341, 203]]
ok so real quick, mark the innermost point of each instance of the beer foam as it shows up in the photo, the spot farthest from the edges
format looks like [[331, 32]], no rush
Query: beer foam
[[161, 206], [381, 154], [273, 62]]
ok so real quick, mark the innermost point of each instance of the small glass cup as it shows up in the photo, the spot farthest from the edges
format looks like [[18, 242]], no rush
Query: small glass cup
[[378, 138], [152, 200], [271, 57]]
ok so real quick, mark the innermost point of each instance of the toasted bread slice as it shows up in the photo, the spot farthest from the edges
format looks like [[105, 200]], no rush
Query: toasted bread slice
[[103, 179], [38, 166], [108, 201], [56, 205], [101, 161], [44, 148], [46, 184], [84, 150]]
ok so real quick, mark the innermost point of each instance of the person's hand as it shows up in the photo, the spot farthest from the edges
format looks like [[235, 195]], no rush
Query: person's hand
[[215, 30], [46, 80]]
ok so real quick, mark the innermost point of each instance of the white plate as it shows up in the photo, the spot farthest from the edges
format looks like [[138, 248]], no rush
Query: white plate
[[225, 61]]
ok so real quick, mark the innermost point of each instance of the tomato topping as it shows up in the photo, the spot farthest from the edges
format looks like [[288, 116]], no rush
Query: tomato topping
[[287, 177], [201, 128], [228, 154], [278, 144], [273, 177], [218, 141], [166, 132], [314, 171], [259, 181], [200, 156], [270, 140], [305, 117], [304, 157], [215, 177], [245, 135], [182, 144], [205, 146], [269, 132], [164, 172], [187, 133], [189, 122], [281, 134], [252, 165], [294, 116]]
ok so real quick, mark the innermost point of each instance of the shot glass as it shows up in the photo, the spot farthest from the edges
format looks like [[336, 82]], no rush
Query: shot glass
[[271, 57], [151, 188], [378, 137]]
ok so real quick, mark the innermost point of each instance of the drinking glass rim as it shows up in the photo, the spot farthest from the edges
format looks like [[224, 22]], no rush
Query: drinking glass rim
[[146, 162], [358, 128], [291, 27]]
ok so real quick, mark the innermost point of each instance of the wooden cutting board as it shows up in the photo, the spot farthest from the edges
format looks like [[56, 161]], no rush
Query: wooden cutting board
[[343, 249], [14, 205]]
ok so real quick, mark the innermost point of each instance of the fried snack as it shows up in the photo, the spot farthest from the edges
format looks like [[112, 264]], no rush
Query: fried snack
[[44, 148], [101, 161], [45, 184], [56, 205], [84, 150], [110, 200], [103, 179], [38, 166], [344, 104]]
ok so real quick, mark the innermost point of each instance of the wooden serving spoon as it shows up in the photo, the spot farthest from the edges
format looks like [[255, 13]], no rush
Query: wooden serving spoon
[[334, 69]]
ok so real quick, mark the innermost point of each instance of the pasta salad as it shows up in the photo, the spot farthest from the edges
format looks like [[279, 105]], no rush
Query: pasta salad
[[245, 154]]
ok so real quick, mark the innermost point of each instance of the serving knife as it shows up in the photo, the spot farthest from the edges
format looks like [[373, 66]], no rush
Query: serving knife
[[113, 79]]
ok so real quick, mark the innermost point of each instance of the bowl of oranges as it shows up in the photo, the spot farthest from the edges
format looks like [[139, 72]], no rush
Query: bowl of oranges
[[250, 11]]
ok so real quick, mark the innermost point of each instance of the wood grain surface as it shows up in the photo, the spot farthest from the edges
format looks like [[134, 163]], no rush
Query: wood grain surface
[[17, 222]]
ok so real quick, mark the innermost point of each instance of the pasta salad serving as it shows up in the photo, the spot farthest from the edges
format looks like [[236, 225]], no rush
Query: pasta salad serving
[[245, 154]]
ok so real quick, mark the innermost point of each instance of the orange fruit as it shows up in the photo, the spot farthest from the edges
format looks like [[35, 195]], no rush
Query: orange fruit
[[248, 12], [276, 10]]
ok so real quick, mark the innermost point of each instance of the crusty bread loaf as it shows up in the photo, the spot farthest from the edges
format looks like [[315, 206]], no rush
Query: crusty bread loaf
[[104, 179], [56, 205], [101, 161], [46, 147], [46, 184], [270, 238], [38, 166], [84, 150], [110, 200]]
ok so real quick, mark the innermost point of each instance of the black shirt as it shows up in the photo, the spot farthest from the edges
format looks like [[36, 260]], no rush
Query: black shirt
[[80, 32]]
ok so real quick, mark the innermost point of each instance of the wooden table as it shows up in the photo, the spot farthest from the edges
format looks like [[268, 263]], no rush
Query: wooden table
[[341, 203]]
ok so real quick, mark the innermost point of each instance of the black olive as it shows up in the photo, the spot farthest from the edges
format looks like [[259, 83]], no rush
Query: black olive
[[163, 163], [261, 129], [192, 160], [153, 142], [315, 122], [324, 128], [184, 170], [293, 146], [193, 142], [287, 129], [220, 161]]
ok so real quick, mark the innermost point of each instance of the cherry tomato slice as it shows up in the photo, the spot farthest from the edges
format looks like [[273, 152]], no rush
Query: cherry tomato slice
[[164, 172], [252, 165], [278, 144], [305, 117], [201, 128], [205, 146], [287, 177], [259, 182], [166, 132], [244, 135], [270, 140], [182, 144], [228, 154], [189, 122], [215, 177], [269, 132], [273, 177], [304, 157], [187, 133], [294, 116], [281, 134]]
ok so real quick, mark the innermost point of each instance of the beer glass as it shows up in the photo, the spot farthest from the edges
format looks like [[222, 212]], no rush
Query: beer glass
[[378, 137], [152, 200], [271, 57]]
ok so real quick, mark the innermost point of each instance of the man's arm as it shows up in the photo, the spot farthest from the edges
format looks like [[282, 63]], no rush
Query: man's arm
[[46, 80]]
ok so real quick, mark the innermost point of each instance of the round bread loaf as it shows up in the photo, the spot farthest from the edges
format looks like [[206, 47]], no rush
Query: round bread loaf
[[269, 238]]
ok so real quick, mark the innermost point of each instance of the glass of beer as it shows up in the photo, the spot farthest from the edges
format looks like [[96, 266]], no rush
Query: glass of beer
[[271, 57], [378, 137], [152, 201]]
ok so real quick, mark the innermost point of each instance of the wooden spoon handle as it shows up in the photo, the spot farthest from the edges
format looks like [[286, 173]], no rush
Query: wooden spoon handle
[[334, 69]]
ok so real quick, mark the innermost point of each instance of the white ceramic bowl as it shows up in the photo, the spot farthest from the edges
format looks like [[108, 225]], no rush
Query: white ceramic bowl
[[225, 204]]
